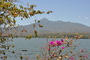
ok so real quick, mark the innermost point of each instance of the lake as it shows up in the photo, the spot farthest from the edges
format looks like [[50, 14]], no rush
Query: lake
[[33, 47]]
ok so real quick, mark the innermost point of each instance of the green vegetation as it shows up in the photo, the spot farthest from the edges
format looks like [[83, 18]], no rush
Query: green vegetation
[[51, 35], [62, 35]]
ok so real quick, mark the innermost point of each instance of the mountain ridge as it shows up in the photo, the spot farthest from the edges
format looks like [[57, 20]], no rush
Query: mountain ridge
[[52, 27]]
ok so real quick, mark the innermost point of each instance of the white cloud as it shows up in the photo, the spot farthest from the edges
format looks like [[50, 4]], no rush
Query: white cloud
[[83, 17], [86, 18], [79, 16]]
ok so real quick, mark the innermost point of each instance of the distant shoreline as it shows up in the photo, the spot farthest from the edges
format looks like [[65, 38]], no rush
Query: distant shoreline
[[41, 37]]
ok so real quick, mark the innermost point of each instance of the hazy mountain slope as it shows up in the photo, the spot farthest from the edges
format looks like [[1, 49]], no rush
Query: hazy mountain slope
[[60, 26], [52, 27]]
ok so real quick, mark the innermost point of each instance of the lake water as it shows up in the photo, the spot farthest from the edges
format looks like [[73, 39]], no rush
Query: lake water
[[33, 47]]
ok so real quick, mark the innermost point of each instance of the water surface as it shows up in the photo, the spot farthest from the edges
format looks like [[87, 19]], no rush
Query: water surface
[[33, 46]]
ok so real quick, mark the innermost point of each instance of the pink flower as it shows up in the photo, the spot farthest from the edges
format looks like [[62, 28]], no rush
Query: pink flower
[[86, 56], [62, 40], [81, 51], [72, 58], [55, 43], [58, 43], [52, 43], [63, 47]]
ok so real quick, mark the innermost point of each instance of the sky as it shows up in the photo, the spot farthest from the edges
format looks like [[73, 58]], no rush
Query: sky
[[77, 11]]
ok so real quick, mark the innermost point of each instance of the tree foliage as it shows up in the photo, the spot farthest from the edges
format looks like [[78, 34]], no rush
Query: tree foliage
[[9, 11], [8, 14]]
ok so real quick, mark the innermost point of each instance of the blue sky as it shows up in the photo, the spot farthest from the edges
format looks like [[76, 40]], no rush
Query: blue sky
[[77, 11]]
